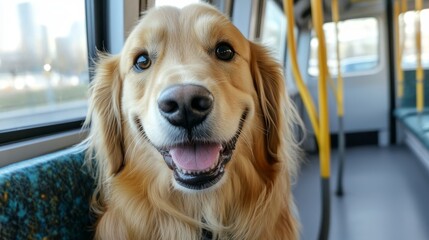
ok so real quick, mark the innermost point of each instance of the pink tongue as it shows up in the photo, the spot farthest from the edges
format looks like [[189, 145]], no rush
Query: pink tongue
[[195, 157]]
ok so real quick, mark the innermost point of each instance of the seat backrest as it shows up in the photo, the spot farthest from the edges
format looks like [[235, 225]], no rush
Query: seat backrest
[[46, 198]]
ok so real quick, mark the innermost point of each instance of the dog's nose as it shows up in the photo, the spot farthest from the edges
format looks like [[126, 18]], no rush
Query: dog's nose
[[185, 105]]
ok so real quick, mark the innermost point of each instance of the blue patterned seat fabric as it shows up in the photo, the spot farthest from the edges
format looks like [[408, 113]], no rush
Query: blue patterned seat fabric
[[416, 123], [46, 198]]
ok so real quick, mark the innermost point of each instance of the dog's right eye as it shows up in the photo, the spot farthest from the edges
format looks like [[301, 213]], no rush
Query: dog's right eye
[[142, 62], [224, 51]]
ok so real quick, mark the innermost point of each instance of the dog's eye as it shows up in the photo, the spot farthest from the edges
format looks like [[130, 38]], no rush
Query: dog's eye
[[224, 51], [142, 62]]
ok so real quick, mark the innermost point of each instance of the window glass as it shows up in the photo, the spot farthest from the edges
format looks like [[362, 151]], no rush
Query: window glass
[[43, 62], [273, 31], [359, 46], [407, 23], [175, 3]]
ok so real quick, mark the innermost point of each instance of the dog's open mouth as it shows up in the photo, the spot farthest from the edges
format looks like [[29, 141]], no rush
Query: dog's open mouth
[[200, 165]]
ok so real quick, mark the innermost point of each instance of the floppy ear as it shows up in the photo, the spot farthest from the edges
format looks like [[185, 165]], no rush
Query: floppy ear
[[104, 114], [269, 84]]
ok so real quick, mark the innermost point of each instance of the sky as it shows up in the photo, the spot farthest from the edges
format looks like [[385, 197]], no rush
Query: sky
[[57, 16]]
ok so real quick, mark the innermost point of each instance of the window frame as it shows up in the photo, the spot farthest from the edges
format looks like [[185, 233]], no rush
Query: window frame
[[259, 28]]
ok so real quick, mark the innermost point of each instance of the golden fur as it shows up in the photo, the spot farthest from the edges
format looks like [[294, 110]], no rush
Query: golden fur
[[136, 197]]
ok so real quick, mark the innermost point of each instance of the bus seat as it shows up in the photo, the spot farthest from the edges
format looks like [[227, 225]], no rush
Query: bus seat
[[416, 123], [409, 98], [46, 198]]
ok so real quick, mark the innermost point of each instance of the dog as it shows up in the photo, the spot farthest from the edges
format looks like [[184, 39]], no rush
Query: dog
[[191, 133]]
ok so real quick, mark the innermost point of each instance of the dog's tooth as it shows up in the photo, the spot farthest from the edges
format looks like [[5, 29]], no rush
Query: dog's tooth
[[182, 170], [214, 165]]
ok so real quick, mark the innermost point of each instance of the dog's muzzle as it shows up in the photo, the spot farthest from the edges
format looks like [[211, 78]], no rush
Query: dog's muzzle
[[197, 164], [200, 165]]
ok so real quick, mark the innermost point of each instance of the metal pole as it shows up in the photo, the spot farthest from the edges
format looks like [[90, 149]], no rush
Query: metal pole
[[341, 156], [326, 209]]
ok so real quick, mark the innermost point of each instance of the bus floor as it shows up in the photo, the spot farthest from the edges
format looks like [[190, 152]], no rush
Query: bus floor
[[386, 196]]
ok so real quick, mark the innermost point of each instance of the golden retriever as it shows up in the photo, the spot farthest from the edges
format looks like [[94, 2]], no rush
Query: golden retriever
[[191, 134]]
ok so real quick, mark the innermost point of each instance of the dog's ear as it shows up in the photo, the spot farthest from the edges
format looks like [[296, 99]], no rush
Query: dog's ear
[[104, 115], [270, 87]]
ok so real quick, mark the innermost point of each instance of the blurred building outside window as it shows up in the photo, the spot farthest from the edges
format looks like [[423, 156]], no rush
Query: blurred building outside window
[[43, 62]]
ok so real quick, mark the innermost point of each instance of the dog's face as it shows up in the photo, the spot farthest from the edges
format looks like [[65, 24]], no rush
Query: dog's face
[[190, 90], [189, 85]]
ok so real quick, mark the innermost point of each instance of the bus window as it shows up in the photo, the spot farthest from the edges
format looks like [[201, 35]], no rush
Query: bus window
[[409, 50], [175, 3], [359, 46], [273, 31], [43, 62]]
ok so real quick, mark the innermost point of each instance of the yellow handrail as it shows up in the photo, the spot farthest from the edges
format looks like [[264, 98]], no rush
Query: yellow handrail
[[340, 101], [303, 90], [340, 84], [419, 70], [321, 124], [399, 49], [324, 142]]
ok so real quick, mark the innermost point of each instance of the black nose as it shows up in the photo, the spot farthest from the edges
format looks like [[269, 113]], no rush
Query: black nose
[[185, 105]]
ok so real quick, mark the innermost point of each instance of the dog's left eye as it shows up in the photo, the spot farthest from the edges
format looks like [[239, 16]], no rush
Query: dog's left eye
[[142, 62], [224, 51]]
